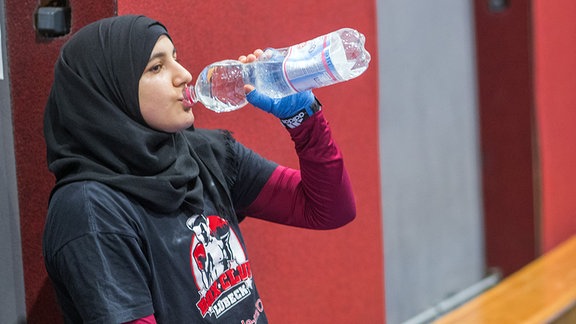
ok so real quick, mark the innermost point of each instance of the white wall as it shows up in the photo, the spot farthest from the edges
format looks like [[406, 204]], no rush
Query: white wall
[[431, 191]]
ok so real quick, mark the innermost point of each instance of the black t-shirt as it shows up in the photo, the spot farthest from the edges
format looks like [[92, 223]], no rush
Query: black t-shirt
[[112, 261]]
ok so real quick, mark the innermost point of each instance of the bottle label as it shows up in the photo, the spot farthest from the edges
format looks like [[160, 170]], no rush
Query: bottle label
[[309, 65]]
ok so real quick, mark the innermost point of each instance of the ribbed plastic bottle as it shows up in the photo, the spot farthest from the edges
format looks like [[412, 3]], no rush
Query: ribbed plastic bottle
[[325, 60]]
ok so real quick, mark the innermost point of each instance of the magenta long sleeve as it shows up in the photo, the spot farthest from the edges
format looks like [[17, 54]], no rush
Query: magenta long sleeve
[[319, 196]]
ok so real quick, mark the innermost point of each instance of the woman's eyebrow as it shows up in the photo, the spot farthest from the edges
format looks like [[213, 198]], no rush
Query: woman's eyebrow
[[157, 55], [161, 55]]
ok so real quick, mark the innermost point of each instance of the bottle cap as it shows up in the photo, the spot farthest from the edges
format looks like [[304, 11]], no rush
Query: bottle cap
[[189, 96]]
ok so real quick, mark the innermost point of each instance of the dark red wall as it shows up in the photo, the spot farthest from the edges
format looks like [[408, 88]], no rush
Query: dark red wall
[[31, 61], [506, 111], [304, 276], [526, 63]]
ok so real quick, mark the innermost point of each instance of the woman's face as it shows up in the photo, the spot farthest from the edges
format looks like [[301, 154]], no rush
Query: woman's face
[[160, 90]]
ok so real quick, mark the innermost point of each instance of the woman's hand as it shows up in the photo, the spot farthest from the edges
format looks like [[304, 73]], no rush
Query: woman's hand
[[300, 105], [249, 59]]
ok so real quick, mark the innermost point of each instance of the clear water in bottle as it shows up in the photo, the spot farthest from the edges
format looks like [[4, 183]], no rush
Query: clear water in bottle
[[220, 86], [322, 61]]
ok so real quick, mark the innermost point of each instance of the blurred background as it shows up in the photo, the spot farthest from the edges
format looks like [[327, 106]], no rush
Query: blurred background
[[459, 140]]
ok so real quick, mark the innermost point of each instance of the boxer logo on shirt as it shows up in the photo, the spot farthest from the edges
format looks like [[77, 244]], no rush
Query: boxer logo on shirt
[[219, 266]]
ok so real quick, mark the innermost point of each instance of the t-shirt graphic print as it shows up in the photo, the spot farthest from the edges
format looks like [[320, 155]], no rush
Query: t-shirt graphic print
[[219, 265]]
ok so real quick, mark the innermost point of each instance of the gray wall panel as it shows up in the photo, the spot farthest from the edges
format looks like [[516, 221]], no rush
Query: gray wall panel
[[429, 150], [12, 300]]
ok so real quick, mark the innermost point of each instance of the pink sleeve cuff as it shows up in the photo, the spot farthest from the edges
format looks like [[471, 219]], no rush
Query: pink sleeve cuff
[[144, 320]]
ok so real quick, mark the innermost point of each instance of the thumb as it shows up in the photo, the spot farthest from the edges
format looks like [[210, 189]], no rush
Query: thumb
[[248, 88]]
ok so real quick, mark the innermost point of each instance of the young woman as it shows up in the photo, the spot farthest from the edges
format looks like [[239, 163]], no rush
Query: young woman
[[143, 222]]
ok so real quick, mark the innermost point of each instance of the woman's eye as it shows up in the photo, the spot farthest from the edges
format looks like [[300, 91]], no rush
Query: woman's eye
[[156, 68]]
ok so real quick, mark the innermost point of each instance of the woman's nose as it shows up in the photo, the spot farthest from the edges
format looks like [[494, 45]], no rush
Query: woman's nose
[[183, 76]]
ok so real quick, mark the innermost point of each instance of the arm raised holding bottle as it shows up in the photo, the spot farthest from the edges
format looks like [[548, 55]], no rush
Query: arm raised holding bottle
[[319, 196]]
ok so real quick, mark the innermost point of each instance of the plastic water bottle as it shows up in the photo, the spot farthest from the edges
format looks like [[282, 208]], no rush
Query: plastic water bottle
[[325, 60]]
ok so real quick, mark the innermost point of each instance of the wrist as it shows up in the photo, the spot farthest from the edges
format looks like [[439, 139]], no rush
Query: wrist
[[302, 115]]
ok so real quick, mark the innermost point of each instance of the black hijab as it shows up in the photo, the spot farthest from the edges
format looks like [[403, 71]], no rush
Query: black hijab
[[93, 126]]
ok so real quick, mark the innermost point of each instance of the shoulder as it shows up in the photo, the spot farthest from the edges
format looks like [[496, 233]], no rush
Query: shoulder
[[84, 195], [90, 207]]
